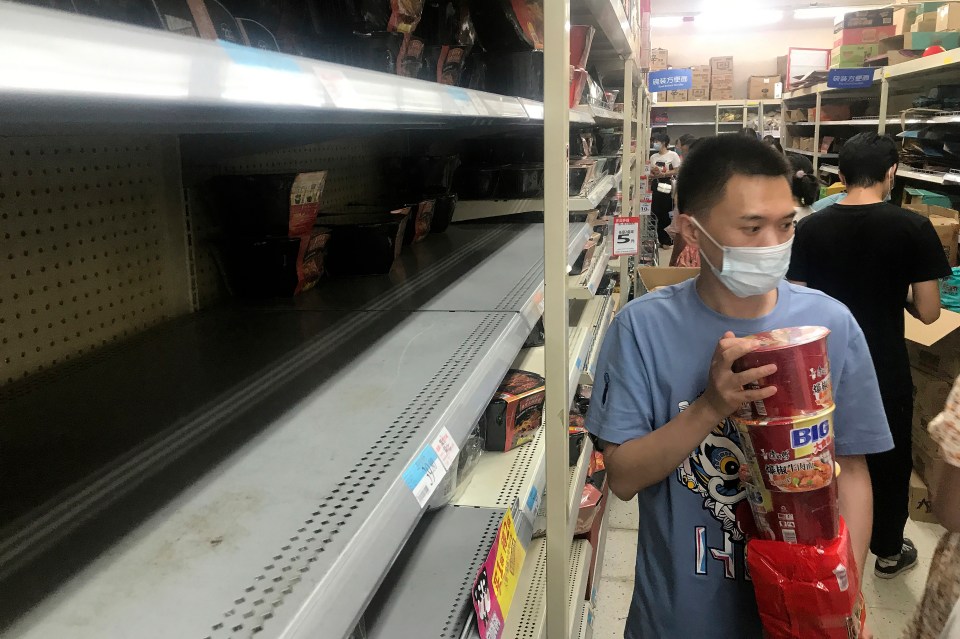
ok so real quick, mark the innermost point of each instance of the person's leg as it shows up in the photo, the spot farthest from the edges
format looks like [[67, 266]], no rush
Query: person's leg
[[661, 206], [890, 476]]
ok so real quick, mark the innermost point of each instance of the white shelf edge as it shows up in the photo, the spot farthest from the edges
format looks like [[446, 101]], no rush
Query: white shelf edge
[[715, 103], [828, 168], [934, 177], [595, 113], [825, 156], [590, 366], [483, 209], [584, 286]]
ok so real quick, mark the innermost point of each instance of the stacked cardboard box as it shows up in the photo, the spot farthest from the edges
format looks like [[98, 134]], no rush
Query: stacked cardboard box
[[700, 89], [721, 78], [857, 36], [946, 221], [659, 61], [764, 87], [948, 17]]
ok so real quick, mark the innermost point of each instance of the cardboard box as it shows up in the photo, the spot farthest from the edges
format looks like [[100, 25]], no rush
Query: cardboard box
[[863, 35], [830, 112], [782, 66], [921, 505], [721, 81], [763, 87], [930, 394], [677, 95], [948, 17], [721, 64], [717, 93], [658, 59], [853, 55], [925, 22], [795, 115], [650, 278], [699, 94], [903, 19], [867, 18], [915, 197], [934, 349]]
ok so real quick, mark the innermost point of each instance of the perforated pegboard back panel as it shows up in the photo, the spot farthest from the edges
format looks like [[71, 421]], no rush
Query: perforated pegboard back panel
[[93, 249], [353, 175]]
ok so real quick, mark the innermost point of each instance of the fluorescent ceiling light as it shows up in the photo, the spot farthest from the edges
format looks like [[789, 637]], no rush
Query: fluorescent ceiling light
[[737, 19], [666, 22], [818, 13]]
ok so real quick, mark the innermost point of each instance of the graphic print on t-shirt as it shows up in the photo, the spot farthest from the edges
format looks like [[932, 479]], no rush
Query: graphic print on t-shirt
[[712, 471]]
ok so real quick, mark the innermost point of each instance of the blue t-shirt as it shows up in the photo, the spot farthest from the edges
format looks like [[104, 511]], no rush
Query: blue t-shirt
[[690, 576]]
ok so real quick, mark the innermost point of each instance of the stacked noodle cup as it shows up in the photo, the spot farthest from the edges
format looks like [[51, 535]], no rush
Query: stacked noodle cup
[[787, 439]]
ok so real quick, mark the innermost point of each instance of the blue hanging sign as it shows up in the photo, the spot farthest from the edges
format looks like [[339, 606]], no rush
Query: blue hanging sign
[[861, 78], [670, 80]]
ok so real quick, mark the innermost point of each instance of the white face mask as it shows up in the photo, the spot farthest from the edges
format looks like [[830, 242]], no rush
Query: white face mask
[[658, 146], [750, 270]]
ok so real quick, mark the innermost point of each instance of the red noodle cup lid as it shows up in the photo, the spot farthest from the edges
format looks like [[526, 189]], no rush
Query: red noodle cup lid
[[788, 337]]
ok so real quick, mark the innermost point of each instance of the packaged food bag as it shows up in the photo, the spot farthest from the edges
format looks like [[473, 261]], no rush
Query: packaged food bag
[[807, 591], [950, 291]]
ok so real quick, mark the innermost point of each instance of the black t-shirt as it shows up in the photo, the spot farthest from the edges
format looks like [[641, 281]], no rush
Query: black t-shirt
[[867, 256]]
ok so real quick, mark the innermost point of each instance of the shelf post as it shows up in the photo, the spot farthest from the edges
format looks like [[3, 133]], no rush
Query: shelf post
[[626, 202], [556, 136], [884, 99], [816, 134]]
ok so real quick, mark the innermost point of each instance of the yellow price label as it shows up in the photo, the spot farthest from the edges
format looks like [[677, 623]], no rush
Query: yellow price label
[[509, 563]]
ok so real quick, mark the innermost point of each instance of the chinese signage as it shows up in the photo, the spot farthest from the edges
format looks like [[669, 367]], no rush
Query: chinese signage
[[850, 78], [626, 235], [670, 80]]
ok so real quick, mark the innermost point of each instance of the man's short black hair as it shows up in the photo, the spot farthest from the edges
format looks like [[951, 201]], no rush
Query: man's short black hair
[[660, 136], [686, 139], [866, 157], [708, 168]]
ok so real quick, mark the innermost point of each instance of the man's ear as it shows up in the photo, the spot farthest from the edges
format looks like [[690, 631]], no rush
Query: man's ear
[[688, 231]]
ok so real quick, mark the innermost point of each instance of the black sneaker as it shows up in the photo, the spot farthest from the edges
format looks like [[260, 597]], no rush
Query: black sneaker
[[890, 568]]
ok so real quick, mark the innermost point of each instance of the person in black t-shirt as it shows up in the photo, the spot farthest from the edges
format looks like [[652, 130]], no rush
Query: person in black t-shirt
[[878, 259]]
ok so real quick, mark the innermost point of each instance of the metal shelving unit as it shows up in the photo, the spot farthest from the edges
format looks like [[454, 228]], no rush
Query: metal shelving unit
[[305, 558], [587, 284], [260, 467]]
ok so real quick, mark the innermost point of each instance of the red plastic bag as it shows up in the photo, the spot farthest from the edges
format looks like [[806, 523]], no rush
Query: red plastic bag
[[807, 592]]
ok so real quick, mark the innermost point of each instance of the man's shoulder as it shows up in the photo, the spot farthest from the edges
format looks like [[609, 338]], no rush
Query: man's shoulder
[[660, 303]]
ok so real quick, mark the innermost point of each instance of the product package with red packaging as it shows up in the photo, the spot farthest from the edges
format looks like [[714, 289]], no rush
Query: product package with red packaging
[[807, 592], [803, 372]]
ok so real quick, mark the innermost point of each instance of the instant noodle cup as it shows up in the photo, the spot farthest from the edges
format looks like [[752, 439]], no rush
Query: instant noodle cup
[[791, 489], [803, 372], [795, 518]]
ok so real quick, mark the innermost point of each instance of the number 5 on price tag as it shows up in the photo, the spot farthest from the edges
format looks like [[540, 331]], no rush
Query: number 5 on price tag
[[626, 236]]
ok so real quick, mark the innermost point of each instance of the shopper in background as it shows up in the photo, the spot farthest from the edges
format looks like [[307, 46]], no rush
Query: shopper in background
[[805, 185], [665, 388], [772, 141], [878, 259], [684, 143], [663, 166], [933, 619]]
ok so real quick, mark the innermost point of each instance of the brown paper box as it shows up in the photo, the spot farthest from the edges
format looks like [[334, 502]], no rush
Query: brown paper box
[[721, 64], [921, 505]]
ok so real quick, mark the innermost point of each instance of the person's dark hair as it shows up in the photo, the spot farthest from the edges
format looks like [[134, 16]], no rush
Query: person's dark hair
[[709, 166], [686, 140], [803, 181], [866, 157], [772, 141], [660, 136], [750, 132]]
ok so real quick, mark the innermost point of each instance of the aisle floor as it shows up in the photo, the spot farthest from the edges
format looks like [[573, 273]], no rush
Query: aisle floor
[[891, 602]]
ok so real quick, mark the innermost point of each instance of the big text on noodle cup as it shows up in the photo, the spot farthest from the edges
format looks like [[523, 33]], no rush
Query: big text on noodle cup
[[789, 454]]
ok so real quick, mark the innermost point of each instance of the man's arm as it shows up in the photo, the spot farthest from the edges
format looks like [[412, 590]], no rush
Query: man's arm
[[856, 504], [644, 461], [923, 302]]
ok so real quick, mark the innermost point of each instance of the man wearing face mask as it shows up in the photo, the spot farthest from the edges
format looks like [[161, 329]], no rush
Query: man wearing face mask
[[878, 259], [665, 387]]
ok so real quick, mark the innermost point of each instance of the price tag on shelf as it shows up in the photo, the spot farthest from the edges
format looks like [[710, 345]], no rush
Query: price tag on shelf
[[626, 236], [424, 474], [447, 449]]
